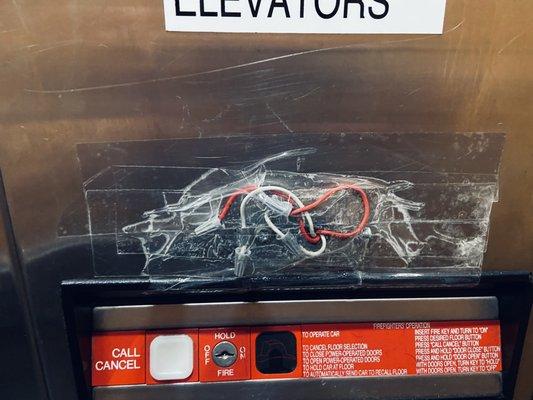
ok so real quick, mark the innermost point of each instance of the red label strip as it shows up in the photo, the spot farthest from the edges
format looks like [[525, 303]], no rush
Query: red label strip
[[403, 348], [314, 351]]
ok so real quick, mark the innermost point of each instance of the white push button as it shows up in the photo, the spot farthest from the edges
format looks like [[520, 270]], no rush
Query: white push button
[[171, 357]]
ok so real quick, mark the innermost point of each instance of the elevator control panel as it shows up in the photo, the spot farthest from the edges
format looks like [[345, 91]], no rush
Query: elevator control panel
[[307, 351]]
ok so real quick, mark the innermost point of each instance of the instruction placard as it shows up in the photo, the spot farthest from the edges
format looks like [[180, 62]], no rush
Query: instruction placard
[[400, 348], [306, 16]]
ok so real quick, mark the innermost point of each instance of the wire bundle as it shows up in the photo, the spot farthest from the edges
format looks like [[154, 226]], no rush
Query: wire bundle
[[301, 211]]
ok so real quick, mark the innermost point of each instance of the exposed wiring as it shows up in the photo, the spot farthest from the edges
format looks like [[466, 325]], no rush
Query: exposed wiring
[[299, 209], [336, 234], [276, 190], [279, 233], [232, 198], [282, 235]]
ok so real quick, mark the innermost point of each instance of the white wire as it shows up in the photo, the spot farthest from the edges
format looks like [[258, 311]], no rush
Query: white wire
[[309, 253], [271, 225], [263, 189]]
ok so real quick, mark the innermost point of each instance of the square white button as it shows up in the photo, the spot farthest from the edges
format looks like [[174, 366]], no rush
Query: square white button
[[171, 357]]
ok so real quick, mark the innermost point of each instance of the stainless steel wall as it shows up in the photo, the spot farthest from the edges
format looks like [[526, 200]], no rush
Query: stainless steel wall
[[76, 71]]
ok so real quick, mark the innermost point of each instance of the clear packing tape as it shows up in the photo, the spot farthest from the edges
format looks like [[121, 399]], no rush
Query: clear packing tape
[[268, 215]]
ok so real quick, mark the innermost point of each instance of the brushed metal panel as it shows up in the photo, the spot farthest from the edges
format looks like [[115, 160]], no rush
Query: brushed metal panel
[[378, 388], [293, 312]]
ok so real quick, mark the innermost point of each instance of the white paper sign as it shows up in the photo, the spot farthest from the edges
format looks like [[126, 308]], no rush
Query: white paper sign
[[306, 16]]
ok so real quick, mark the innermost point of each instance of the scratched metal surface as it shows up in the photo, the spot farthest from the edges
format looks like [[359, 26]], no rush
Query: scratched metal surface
[[79, 71]]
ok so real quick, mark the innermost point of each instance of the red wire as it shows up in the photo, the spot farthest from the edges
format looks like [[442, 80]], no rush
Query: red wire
[[297, 212], [307, 236], [232, 198], [336, 234]]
